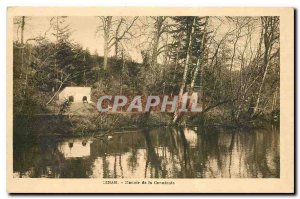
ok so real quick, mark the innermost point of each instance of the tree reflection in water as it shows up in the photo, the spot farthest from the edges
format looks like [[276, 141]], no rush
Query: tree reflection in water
[[154, 153]]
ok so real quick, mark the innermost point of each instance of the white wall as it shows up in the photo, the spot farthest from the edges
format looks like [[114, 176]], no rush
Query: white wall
[[77, 92]]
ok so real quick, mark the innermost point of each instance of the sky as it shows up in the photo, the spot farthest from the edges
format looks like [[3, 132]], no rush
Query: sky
[[83, 30]]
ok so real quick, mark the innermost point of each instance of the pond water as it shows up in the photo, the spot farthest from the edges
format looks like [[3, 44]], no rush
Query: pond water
[[155, 153]]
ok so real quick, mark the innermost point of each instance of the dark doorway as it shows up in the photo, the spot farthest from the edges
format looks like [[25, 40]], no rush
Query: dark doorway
[[84, 99], [71, 99]]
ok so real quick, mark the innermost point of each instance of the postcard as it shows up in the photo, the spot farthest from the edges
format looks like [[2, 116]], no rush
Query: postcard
[[150, 100]]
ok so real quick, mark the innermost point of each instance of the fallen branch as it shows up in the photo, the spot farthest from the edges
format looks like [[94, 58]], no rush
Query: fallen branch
[[58, 90]]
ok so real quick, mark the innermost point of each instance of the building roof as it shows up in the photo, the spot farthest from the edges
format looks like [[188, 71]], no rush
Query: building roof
[[76, 88]]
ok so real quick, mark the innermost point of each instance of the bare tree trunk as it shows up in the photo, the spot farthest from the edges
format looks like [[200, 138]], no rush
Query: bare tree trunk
[[116, 49], [22, 50], [195, 73], [233, 56], [187, 59], [260, 89], [155, 43], [105, 57], [110, 40], [107, 28], [122, 72], [61, 84], [274, 101], [26, 73], [270, 26], [186, 66], [199, 58], [159, 23], [176, 62], [55, 61], [22, 29]]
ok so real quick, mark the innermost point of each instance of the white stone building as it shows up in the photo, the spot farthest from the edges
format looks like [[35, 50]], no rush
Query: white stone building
[[75, 94]]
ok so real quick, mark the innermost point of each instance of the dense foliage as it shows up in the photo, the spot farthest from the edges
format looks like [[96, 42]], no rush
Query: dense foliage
[[233, 62]]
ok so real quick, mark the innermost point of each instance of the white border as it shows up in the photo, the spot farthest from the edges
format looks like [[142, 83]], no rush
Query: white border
[[189, 3]]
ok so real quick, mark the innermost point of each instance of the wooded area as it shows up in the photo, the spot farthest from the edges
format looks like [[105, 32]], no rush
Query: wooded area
[[233, 62]]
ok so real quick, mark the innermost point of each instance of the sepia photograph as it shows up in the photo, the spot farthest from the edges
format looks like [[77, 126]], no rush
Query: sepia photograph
[[153, 97]]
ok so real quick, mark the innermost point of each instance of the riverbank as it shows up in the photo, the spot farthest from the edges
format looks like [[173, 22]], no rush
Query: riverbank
[[93, 124]]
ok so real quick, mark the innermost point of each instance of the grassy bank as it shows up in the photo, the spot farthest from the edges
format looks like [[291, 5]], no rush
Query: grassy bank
[[93, 124]]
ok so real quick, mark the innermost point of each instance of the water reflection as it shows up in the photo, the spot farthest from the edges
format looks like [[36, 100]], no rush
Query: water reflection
[[75, 148], [156, 153]]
